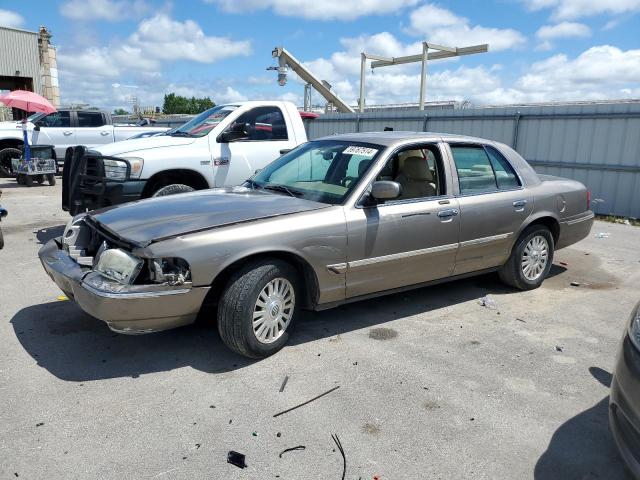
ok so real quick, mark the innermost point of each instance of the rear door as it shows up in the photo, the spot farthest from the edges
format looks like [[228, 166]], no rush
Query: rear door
[[92, 129], [493, 205], [267, 133], [412, 239]]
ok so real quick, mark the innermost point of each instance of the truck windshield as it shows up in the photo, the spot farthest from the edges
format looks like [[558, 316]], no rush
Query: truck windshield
[[204, 123], [324, 171]]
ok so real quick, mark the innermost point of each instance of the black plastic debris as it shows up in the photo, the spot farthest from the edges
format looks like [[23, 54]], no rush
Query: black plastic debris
[[39, 424], [558, 348], [284, 383], [307, 402], [237, 459], [334, 437], [292, 449]]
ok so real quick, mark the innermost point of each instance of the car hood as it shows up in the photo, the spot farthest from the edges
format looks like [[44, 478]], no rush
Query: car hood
[[147, 143], [155, 219]]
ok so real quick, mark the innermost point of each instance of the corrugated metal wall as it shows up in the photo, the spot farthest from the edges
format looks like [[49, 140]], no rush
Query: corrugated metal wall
[[19, 52], [597, 144]]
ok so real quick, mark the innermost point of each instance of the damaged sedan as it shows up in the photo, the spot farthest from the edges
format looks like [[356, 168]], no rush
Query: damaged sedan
[[335, 220]]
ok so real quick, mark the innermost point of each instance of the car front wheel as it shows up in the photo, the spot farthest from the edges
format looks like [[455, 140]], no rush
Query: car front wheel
[[257, 308], [530, 260]]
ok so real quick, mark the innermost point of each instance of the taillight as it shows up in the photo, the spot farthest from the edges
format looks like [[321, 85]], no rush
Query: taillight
[[588, 200]]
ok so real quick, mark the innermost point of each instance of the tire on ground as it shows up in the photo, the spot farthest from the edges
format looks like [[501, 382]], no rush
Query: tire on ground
[[236, 307], [6, 154], [172, 189], [511, 272]]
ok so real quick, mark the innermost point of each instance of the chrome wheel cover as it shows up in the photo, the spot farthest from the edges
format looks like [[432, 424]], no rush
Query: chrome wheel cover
[[535, 257], [273, 310]]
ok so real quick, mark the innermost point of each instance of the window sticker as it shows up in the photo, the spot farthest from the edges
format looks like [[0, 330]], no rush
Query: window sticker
[[363, 151]]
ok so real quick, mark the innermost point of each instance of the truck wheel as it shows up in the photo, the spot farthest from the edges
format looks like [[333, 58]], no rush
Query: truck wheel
[[172, 190], [6, 154], [257, 308], [530, 260], [40, 179]]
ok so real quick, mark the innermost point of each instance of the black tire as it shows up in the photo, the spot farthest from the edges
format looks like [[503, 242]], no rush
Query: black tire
[[172, 190], [1, 240], [512, 272], [52, 179], [28, 180], [40, 179], [238, 301], [20, 179], [6, 154]]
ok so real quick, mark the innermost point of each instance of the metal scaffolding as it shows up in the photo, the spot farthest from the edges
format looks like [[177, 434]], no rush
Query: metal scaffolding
[[438, 52]]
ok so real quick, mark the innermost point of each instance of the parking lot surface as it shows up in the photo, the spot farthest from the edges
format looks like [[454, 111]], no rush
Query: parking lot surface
[[432, 384]]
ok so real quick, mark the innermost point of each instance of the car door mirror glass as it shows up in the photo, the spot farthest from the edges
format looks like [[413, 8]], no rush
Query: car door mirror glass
[[385, 190]]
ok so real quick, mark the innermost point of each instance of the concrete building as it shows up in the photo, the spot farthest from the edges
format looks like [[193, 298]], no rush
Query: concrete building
[[28, 62]]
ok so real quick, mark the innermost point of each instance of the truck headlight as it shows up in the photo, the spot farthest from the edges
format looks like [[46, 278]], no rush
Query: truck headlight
[[119, 265], [634, 327], [115, 169], [136, 166]]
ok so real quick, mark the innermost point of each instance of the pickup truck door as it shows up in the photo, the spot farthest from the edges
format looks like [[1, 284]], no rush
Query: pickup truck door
[[255, 139], [412, 239], [493, 206], [55, 129], [92, 129]]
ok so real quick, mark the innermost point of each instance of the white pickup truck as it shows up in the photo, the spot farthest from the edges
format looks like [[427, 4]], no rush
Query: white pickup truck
[[222, 146], [63, 129]]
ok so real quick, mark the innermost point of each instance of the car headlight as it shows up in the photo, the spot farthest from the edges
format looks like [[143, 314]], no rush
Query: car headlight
[[136, 166], [115, 169], [119, 265], [634, 327]]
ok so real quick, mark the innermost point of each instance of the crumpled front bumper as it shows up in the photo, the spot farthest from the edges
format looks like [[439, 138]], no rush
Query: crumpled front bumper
[[130, 309]]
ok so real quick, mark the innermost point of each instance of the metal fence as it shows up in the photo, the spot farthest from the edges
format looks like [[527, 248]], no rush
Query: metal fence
[[597, 144]]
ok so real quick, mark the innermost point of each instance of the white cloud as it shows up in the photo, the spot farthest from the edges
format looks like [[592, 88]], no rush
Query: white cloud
[[440, 25], [10, 19], [572, 9], [109, 10], [547, 33], [317, 10]]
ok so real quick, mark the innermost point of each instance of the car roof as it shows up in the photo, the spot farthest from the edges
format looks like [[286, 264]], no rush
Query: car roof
[[397, 137]]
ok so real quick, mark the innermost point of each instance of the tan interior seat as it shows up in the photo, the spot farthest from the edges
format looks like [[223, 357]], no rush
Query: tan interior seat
[[416, 179]]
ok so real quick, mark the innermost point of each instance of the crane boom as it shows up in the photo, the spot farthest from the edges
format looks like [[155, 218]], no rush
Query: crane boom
[[286, 61]]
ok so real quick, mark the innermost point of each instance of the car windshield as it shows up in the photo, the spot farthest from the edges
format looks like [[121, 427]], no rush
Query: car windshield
[[205, 122], [34, 117], [323, 170]]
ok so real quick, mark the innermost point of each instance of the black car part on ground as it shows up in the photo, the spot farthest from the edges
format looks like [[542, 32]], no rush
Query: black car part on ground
[[84, 182], [3, 213]]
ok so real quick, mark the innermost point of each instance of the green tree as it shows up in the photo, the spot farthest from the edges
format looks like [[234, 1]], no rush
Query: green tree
[[120, 111], [178, 104]]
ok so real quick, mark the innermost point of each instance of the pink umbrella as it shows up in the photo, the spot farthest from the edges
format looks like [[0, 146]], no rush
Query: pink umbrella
[[27, 101]]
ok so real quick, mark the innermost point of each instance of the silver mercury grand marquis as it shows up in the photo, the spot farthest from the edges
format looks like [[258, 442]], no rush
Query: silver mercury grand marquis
[[335, 220]]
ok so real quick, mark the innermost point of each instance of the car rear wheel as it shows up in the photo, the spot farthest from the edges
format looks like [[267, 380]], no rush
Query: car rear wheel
[[172, 190], [530, 260], [257, 308]]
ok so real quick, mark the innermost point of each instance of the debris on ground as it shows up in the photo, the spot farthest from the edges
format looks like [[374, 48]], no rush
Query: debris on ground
[[299, 447], [335, 438], [278, 434], [521, 320], [488, 302], [39, 424], [308, 401], [255, 434], [62, 298], [575, 284], [197, 446], [558, 348], [382, 333], [284, 383], [602, 235], [237, 459], [564, 264]]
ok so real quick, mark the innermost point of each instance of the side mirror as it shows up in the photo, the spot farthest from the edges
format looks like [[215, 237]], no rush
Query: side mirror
[[237, 132], [385, 190], [36, 128]]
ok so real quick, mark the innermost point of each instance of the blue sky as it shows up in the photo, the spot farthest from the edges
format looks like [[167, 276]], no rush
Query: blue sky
[[540, 50]]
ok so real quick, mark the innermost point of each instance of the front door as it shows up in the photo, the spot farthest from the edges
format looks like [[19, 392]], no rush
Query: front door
[[92, 130], [410, 240], [493, 206], [55, 129], [260, 134]]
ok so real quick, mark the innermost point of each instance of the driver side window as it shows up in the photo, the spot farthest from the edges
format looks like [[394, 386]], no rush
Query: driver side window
[[57, 119], [418, 170], [260, 124]]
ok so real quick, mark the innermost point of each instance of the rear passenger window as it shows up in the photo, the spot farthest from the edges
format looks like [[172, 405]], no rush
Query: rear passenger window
[[90, 119], [505, 175], [479, 171]]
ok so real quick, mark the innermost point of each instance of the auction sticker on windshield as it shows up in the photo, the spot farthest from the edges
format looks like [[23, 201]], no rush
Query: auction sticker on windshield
[[363, 151]]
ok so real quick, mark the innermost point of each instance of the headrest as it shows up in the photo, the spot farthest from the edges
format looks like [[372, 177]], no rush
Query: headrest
[[416, 168]]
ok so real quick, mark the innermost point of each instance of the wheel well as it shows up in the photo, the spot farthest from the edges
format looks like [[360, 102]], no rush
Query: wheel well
[[309, 288], [167, 177], [551, 223], [10, 143]]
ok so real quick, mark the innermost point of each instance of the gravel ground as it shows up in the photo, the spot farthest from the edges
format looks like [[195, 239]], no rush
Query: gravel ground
[[432, 384]]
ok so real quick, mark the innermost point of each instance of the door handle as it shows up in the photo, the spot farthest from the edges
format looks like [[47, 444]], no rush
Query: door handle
[[519, 205], [450, 212], [104, 134], [67, 133]]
